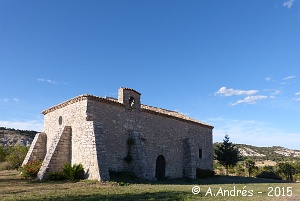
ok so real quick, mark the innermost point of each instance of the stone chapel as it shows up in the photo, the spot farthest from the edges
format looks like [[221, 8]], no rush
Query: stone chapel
[[106, 134]]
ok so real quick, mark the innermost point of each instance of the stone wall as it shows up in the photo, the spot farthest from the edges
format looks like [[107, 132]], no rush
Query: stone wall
[[154, 135], [85, 143], [58, 154], [38, 148], [100, 129]]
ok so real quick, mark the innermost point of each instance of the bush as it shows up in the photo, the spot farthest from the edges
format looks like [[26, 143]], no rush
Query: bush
[[56, 176], [78, 172], [16, 155], [3, 153], [201, 173], [122, 175], [268, 175], [296, 177], [67, 171], [31, 169], [74, 172]]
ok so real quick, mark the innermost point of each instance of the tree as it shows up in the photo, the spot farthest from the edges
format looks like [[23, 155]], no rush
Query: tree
[[16, 156], [239, 169], [3, 153], [287, 169], [297, 167], [227, 154], [250, 165]]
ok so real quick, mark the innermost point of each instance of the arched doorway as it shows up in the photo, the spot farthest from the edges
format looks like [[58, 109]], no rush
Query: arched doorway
[[160, 167]]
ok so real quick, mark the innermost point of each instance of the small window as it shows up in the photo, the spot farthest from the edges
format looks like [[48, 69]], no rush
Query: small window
[[131, 102], [200, 153], [60, 120]]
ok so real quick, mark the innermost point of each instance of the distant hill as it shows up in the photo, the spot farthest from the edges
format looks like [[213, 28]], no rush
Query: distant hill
[[10, 136], [275, 153]]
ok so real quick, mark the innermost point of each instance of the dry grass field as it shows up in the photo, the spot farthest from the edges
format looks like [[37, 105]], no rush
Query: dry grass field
[[3, 165], [265, 163], [13, 187]]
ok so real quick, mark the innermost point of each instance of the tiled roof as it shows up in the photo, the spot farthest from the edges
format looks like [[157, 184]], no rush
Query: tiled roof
[[80, 98], [172, 114], [113, 101]]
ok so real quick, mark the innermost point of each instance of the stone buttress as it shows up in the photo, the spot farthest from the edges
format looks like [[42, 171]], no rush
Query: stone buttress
[[58, 154], [38, 148]]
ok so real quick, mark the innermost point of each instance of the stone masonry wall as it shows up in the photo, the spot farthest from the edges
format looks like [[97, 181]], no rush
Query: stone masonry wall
[[58, 154], [154, 135], [189, 158], [37, 150], [102, 127], [83, 143], [165, 136]]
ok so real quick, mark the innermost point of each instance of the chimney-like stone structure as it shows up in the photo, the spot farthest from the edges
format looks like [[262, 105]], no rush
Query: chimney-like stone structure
[[130, 98]]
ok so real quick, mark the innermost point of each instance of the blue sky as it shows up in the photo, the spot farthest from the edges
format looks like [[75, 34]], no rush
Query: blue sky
[[232, 64]]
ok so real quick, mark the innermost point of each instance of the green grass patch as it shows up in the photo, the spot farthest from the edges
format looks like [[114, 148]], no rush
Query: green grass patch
[[14, 187]]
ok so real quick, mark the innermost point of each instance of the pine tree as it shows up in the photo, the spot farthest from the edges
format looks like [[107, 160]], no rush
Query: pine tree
[[227, 154]]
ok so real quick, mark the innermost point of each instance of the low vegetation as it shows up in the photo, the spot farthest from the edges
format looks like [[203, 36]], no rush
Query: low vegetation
[[69, 172], [13, 187], [228, 157], [201, 173], [13, 155], [31, 169], [262, 182]]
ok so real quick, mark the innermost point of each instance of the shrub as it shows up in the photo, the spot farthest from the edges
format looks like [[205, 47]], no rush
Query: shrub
[[240, 170], [56, 176], [31, 169], [122, 175], [296, 177], [74, 172], [16, 155], [3, 153], [123, 183], [268, 168], [78, 172], [268, 175], [67, 171], [201, 173]]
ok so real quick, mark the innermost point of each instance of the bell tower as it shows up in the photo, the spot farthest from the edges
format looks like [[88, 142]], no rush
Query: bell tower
[[130, 98]]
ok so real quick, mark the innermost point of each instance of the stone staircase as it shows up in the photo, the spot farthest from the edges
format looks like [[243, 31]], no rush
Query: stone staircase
[[58, 154], [38, 148]]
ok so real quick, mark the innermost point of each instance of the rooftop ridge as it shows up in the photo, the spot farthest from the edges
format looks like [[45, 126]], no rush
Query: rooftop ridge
[[131, 90], [171, 114], [80, 98], [145, 108]]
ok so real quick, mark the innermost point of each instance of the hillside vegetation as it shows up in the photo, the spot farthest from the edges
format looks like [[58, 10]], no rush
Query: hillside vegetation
[[275, 153], [11, 137]]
